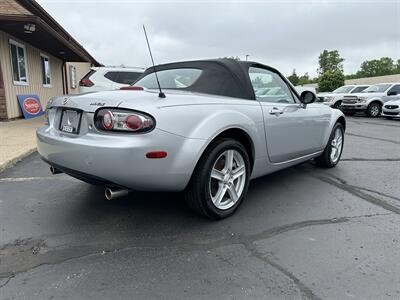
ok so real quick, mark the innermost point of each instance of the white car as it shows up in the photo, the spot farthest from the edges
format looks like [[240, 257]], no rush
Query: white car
[[108, 78], [335, 98], [391, 109]]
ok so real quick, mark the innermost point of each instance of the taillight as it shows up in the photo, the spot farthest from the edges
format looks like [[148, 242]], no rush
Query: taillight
[[86, 82], [109, 119]]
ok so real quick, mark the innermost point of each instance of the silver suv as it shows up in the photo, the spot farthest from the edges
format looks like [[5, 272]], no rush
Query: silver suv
[[371, 100]]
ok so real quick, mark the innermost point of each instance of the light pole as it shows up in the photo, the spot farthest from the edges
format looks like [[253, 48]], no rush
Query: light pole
[[247, 55]]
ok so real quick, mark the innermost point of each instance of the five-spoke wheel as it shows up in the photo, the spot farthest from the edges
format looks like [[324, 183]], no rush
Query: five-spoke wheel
[[220, 180]]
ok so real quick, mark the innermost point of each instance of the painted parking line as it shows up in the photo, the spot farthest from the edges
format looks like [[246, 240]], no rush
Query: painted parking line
[[22, 179]]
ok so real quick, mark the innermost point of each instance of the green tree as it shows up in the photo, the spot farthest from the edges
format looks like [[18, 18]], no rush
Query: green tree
[[330, 61], [398, 66], [377, 67], [329, 81], [294, 79]]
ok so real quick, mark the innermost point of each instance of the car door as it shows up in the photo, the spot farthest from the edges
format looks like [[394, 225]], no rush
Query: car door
[[292, 129], [392, 94]]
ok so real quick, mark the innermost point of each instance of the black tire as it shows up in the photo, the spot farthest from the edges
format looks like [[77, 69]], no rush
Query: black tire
[[338, 105], [324, 160], [389, 118], [197, 193], [374, 110]]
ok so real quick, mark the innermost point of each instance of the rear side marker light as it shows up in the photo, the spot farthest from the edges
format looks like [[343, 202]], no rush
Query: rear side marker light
[[156, 154]]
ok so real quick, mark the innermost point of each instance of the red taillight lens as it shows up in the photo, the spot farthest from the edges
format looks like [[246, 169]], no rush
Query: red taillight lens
[[134, 122], [107, 120], [123, 120], [86, 82]]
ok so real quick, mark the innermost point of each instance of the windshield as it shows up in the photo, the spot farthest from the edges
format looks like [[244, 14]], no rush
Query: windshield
[[378, 88], [343, 89], [170, 79]]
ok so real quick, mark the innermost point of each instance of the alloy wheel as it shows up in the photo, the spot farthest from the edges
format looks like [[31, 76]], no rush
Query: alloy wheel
[[336, 145], [227, 179], [374, 110]]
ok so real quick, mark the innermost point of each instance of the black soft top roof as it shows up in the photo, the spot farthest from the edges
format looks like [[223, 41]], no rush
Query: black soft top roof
[[225, 77]]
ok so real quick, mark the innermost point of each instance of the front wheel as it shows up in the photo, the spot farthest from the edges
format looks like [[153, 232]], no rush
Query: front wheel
[[337, 105], [333, 151], [374, 110], [220, 180]]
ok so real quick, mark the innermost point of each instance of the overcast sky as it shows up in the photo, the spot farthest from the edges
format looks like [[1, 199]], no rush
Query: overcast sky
[[283, 34]]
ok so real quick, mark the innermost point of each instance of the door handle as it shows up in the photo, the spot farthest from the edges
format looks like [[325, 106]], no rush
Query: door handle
[[275, 111]]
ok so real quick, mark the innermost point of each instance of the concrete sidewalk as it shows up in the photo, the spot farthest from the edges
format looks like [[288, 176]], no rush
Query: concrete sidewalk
[[17, 140]]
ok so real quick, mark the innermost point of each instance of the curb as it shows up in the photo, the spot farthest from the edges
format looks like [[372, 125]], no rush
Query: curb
[[11, 162]]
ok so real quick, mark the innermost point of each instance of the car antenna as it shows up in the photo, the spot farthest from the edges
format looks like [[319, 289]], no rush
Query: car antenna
[[160, 94]]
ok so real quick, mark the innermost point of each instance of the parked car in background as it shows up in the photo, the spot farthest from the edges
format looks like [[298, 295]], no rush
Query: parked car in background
[[108, 78], [371, 99], [334, 99], [301, 89], [391, 109], [208, 135]]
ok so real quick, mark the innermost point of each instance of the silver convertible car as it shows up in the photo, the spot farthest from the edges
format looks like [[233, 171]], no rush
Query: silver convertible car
[[208, 135]]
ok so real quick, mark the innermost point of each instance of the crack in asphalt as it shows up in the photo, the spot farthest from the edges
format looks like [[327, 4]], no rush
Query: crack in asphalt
[[369, 159], [57, 255], [358, 192], [373, 138], [306, 292]]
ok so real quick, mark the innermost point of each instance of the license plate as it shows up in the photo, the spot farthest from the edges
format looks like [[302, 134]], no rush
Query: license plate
[[70, 121]]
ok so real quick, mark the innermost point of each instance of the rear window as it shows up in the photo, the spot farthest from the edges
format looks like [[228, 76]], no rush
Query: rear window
[[170, 79], [122, 76]]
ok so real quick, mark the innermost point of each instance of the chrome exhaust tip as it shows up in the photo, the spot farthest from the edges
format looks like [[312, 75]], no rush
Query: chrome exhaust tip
[[54, 171], [114, 193]]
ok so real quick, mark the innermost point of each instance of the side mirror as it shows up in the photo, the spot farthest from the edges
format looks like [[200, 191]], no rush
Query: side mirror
[[392, 93], [307, 97]]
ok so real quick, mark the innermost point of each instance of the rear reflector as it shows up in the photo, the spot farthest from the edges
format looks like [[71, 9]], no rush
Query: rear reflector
[[132, 88], [156, 154]]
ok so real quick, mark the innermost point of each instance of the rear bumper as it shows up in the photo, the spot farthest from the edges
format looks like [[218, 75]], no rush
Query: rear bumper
[[120, 159]]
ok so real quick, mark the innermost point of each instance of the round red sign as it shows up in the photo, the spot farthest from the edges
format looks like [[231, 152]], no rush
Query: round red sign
[[32, 106]]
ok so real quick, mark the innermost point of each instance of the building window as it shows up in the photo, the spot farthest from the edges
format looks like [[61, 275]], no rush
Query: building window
[[46, 74], [18, 62]]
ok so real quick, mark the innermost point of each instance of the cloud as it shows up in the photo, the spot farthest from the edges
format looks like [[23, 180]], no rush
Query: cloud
[[284, 34]]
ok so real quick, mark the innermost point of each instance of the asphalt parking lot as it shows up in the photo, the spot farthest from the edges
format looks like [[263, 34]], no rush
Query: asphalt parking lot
[[302, 233]]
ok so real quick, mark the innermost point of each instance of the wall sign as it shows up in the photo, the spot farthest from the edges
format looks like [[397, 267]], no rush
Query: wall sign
[[30, 106], [72, 74]]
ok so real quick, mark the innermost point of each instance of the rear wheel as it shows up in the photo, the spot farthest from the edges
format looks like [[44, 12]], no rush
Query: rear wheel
[[333, 151], [220, 181], [374, 110]]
